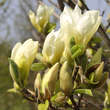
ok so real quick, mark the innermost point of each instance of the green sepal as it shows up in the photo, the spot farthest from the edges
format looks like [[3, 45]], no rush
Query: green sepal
[[14, 71], [37, 67], [58, 98], [76, 51], [96, 39], [96, 59], [49, 27]]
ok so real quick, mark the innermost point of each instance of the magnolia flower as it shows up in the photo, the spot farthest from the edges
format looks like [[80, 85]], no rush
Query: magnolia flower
[[37, 84], [80, 26], [66, 78], [23, 55], [41, 18], [49, 79], [53, 47]]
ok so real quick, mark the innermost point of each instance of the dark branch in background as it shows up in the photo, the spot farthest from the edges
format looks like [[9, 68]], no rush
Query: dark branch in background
[[70, 3], [54, 4], [61, 4], [108, 2]]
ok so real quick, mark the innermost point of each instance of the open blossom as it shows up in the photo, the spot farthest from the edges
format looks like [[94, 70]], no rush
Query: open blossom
[[23, 55], [80, 26], [40, 20], [53, 47]]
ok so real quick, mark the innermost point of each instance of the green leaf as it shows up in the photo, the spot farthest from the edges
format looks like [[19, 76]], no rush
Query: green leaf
[[100, 83], [96, 39], [49, 27], [91, 82], [37, 67], [13, 90], [83, 91], [14, 70], [96, 59], [43, 106]]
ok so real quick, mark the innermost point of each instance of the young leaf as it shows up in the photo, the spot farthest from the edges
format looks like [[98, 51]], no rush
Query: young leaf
[[100, 83], [83, 91], [37, 67], [43, 106], [96, 59], [13, 90], [14, 71], [49, 27]]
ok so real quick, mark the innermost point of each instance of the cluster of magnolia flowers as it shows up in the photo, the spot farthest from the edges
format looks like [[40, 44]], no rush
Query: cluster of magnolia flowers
[[60, 52]]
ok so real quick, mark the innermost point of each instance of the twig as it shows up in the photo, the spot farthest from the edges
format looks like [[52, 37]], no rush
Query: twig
[[79, 101], [76, 107], [28, 95], [70, 3], [75, 72], [54, 4], [61, 4], [98, 106]]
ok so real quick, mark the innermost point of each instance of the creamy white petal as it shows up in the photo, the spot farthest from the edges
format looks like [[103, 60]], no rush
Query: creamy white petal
[[53, 47], [15, 49], [80, 26]]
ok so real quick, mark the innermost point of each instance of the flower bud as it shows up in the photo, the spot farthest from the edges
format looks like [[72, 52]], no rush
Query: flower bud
[[99, 71], [37, 84], [40, 20], [49, 79], [60, 97], [66, 78], [38, 81], [53, 47], [23, 56]]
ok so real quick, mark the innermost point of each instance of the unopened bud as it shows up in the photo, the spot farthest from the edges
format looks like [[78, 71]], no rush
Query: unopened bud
[[60, 97], [37, 83], [98, 72], [66, 78], [49, 79]]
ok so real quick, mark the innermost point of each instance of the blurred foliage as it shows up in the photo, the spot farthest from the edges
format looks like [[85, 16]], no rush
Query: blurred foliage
[[8, 101]]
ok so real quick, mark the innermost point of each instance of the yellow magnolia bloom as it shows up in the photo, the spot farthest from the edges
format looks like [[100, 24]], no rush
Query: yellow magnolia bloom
[[80, 26], [53, 47], [23, 55], [41, 18]]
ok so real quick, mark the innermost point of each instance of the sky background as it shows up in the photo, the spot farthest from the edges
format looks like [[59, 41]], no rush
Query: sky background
[[13, 20]]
